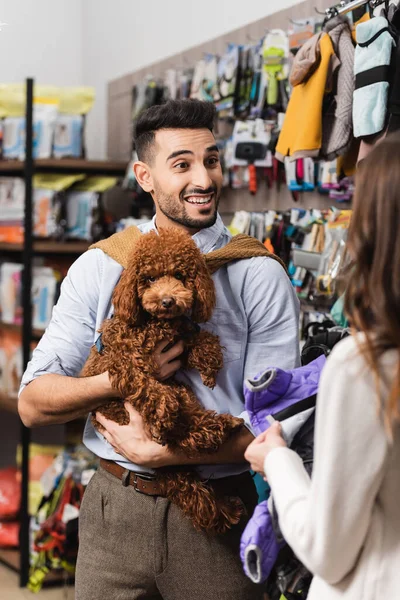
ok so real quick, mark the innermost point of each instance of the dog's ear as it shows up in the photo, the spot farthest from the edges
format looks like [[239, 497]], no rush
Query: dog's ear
[[125, 298], [204, 294]]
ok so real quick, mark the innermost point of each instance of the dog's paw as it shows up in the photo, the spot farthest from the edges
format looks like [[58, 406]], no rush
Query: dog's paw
[[209, 380]]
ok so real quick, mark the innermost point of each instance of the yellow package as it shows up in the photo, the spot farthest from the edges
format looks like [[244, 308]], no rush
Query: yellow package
[[54, 181], [95, 184], [76, 100], [13, 97]]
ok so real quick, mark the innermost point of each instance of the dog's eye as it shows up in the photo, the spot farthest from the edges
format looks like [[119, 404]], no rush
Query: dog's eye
[[151, 279], [179, 276]]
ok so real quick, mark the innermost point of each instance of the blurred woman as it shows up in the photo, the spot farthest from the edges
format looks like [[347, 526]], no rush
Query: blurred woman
[[344, 523]]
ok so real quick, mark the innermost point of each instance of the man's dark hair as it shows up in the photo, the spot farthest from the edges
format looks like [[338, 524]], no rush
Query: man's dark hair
[[174, 114]]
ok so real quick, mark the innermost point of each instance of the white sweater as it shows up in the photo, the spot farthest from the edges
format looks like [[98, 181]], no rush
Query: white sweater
[[344, 524]]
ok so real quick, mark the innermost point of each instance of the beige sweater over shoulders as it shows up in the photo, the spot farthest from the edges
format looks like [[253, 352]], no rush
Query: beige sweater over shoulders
[[344, 524]]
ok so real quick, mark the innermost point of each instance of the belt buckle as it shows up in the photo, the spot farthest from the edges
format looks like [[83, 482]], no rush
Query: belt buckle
[[134, 484], [143, 477]]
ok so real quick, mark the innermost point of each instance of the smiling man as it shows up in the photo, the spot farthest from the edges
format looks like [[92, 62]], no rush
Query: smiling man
[[180, 166], [134, 544]]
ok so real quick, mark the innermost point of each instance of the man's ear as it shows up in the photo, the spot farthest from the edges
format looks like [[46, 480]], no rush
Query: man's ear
[[143, 176]]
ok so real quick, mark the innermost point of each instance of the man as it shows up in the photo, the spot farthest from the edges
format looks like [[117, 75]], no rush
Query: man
[[134, 545]]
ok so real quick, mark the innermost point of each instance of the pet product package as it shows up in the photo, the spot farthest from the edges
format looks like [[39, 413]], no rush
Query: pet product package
[[41, 457], [11, 362], [84, 211], [75, 103], [44, 289], [49, 199], [10, 494], [250, 144], [12, 201], [198, 77], [45, 282], [12, 109], [333, 254], [227, 81], [10, 293]]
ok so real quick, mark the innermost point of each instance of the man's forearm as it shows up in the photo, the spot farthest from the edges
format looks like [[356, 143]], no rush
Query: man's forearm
[[51, 399], [231, 452]]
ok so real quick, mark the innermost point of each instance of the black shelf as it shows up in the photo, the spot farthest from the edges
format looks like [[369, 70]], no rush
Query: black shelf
[[48, 247], [36, 333], [65, 165], [19, 560], [8, 403], [11, 557]]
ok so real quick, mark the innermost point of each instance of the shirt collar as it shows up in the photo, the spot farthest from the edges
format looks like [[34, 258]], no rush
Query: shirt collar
[[205, 239]]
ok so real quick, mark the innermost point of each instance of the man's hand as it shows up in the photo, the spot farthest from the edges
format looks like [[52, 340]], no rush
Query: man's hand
[[133, 442], [168, 363], [259, 449]]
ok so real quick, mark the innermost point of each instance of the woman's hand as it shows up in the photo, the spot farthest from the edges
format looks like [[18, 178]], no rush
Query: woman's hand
[[133, 441], [259, 449]]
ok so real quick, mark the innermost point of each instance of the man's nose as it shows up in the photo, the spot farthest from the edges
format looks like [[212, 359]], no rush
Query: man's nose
[[201, 178]]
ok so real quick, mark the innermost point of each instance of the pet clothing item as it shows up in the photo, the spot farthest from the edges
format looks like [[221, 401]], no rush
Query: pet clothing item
[[288, 397], [307, 60], [337, 117], [301, 134], [372, 70]]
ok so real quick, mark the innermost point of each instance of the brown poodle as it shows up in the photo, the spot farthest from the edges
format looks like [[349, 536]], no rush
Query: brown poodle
[[162, 295]]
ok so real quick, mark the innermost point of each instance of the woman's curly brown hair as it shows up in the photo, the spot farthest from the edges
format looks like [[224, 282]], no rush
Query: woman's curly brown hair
[[161, 296]]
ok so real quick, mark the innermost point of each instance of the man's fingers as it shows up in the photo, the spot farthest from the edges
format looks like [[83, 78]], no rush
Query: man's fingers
[[170, 369], [133, 413], [172, 353], [108, 436], [160, 347], [107, 424]]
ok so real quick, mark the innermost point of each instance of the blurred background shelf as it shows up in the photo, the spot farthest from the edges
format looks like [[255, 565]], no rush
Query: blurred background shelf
[[36, 333], [65, 165], [8, 403], [48, 247], [11, 558]]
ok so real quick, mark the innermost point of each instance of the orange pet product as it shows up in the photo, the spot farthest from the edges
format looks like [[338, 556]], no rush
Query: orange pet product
[[12, 233], [9, 534], [10, 494], [11, 362]]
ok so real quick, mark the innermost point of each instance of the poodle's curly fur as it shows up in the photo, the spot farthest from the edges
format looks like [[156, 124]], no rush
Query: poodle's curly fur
[[165, 289]]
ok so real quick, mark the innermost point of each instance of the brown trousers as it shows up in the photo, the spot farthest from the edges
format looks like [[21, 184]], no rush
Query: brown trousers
[[134, 546]]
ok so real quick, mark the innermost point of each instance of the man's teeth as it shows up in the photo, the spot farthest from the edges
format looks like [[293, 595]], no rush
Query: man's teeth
[[199, 200]]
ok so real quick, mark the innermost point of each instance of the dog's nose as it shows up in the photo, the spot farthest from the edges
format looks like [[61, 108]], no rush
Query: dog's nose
[[167, 302]]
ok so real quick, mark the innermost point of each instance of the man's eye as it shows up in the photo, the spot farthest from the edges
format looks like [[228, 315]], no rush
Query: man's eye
[[182, 165], [213, 161]]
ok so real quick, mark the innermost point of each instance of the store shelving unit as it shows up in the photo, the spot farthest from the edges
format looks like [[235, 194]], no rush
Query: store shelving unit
[[19, 560]]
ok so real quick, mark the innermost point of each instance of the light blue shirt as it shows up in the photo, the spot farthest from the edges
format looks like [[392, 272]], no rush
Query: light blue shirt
[[256, 319]]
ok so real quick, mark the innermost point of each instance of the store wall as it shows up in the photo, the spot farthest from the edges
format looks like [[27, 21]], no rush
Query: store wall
[[41, 39], [124, 35], [90, 42]]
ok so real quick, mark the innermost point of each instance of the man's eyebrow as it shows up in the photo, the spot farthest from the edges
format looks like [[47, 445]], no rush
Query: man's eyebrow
[[178, 153], [213, 148]]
